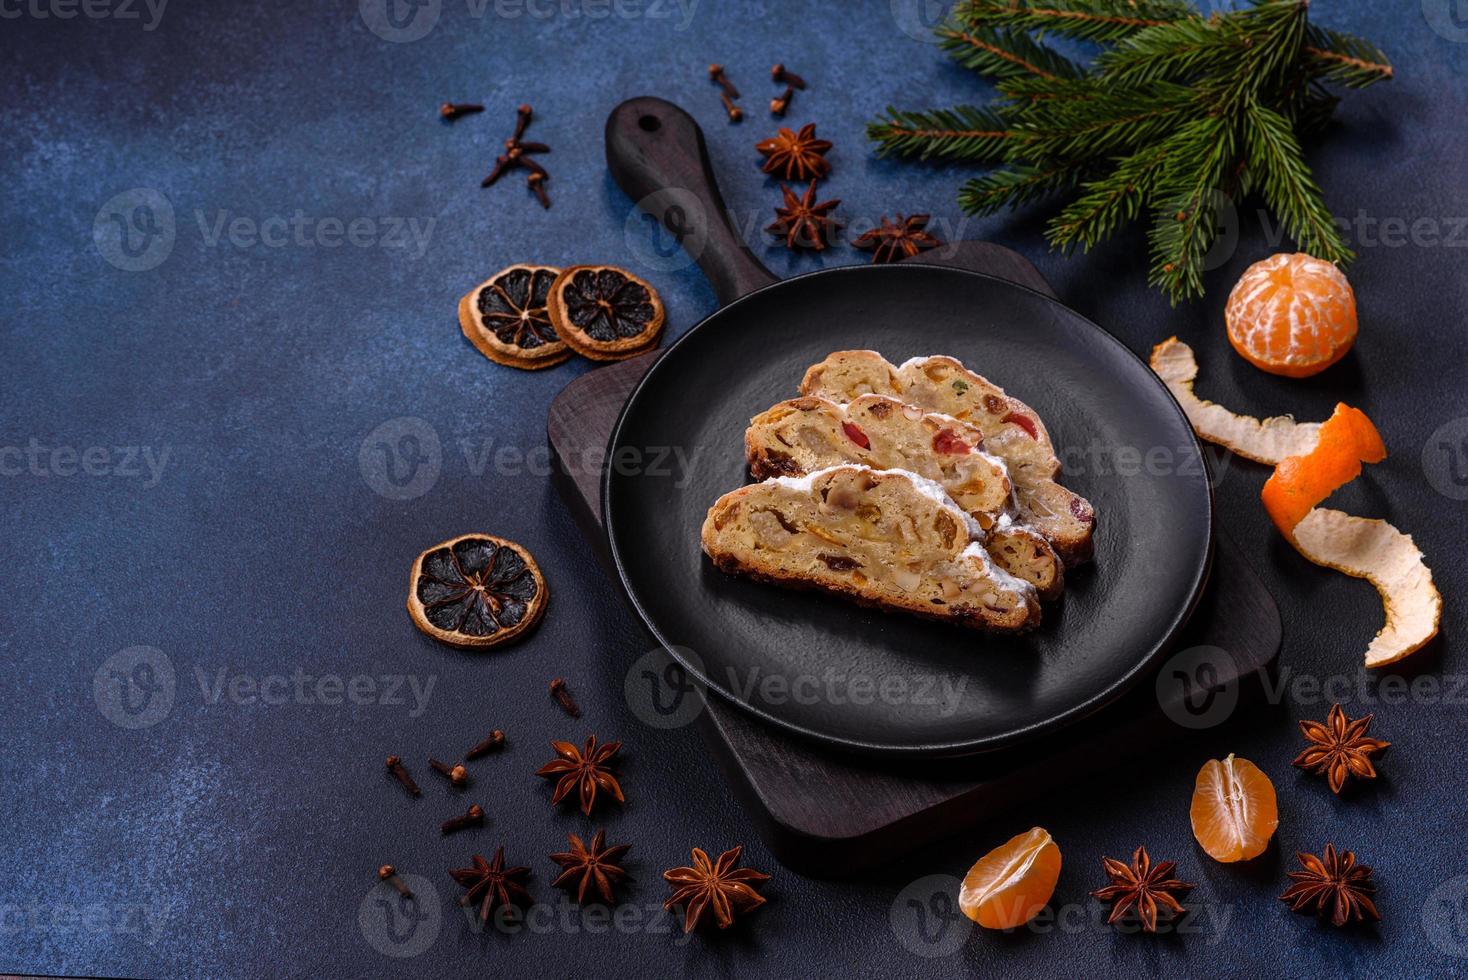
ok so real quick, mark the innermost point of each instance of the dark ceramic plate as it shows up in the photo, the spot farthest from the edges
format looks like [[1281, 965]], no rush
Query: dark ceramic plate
[[886, 683], [814, 664]]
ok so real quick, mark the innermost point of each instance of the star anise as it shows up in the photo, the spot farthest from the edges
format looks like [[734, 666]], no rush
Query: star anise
[[491, 883], [1333, 885], [594, 865], [798, 156], [802, 222], [1339, 748], [900, 239], [584, 768], [714, 885], [1143, 887]]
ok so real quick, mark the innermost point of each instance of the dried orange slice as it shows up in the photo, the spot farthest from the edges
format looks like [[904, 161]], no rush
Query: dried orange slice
[[605, 313], [1011, 884], [1346, 440], [1234, 810], [1291, 314], [505, 318], [476, 591]]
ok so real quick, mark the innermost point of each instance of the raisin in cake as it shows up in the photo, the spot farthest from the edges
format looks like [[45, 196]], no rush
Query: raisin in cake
[[1012, 431], [806, 434], [884, 538]]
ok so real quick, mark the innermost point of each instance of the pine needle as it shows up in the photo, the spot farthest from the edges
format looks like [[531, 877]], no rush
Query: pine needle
[[1176, 116]]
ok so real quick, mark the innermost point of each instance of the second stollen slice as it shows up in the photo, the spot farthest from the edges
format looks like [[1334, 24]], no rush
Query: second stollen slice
[[802, 435], [884, 538]]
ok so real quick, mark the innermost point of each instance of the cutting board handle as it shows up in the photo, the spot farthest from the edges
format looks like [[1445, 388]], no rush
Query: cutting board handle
[[656, 154]]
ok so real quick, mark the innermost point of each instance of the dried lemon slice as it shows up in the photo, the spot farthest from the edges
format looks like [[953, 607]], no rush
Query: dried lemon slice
[[475, 591], [505, 318], [1268, 441]]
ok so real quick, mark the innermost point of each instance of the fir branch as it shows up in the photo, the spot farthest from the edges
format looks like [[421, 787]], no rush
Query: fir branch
[[1086, 20], [1069, 129], [1176, 116], [1023, 90], [1276, 34], [962, 133], [1287, 186], [1346, 59], [1012, 187], [1313, 111], [1177, 52], [1003, 54], [1189, 199], [1107, 202]]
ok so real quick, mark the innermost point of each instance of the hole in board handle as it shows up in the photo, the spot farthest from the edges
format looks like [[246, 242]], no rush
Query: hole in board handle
[[649, 123]]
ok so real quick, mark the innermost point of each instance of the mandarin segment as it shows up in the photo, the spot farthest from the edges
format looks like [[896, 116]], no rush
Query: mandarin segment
[[1291, 314], [1011, 884], [1234, 810]]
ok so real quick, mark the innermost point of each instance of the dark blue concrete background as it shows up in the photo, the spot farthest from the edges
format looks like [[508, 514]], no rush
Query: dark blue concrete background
[[235, 837]]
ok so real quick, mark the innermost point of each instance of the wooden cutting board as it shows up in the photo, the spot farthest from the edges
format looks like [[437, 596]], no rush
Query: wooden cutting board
[[824, 812]]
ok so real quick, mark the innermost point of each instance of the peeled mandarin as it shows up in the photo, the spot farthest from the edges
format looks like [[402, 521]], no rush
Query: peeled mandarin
[[1291, 314], [1234, 810], [1011, 884]]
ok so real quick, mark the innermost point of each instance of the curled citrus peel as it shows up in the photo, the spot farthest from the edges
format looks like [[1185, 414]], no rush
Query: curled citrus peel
[[1387, 558], [1312, 460], [1268, 441], [1345, 441], [1361, 548]]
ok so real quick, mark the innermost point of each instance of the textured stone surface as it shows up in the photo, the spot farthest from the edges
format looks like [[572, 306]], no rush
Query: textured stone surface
[[240, 838]]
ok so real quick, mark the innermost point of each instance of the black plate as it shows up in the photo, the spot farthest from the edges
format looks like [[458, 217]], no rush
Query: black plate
[[881, 683]]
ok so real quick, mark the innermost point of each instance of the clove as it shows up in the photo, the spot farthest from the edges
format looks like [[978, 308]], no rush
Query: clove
[[395, 766], [389, 874], [563, 697], [780, 103], [536, 183], [523, 116], [516, 155], [453, 110], [716, 73], [735, 113], [783, 77], [457, 774], [494, 740], [473, 818]]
